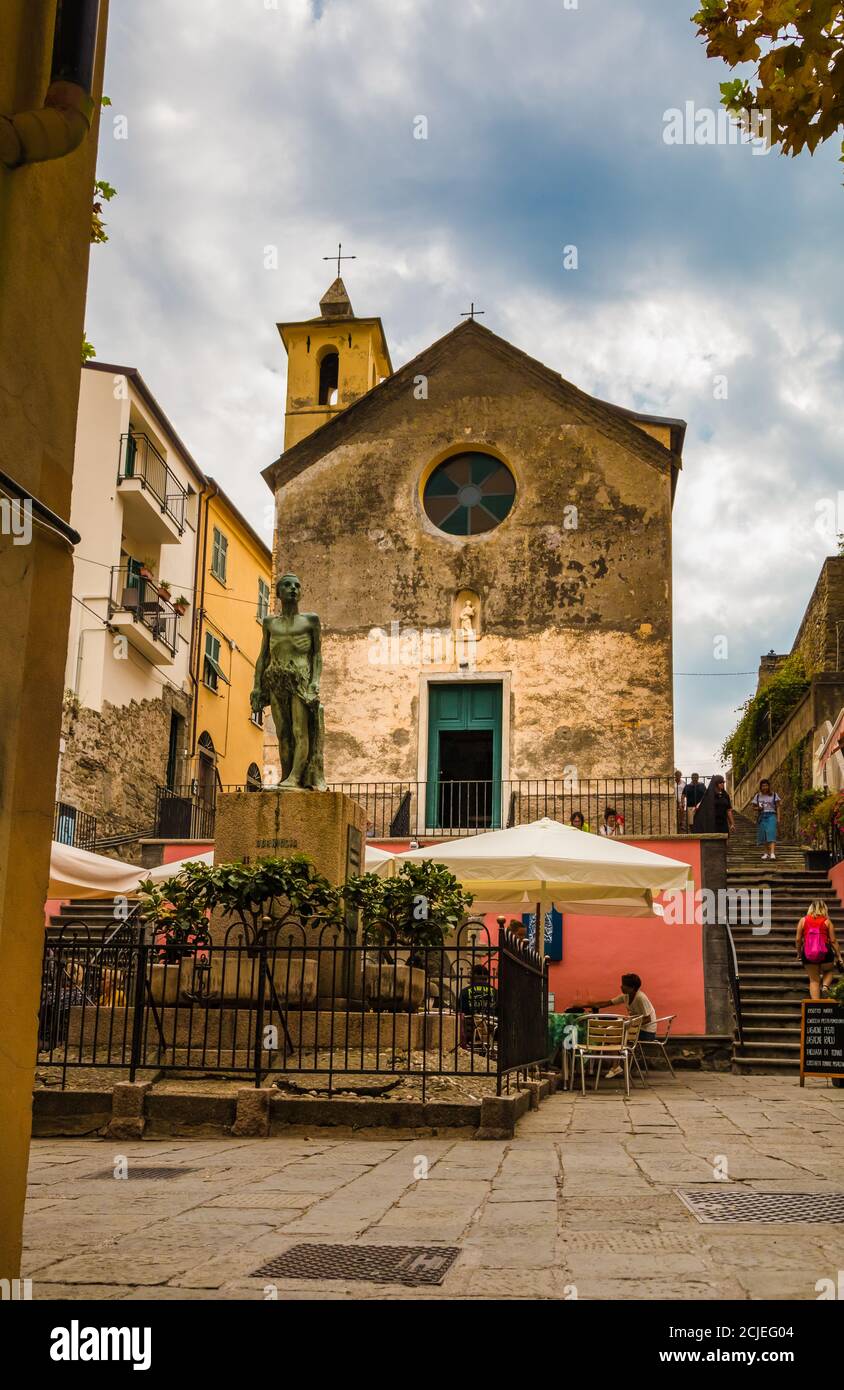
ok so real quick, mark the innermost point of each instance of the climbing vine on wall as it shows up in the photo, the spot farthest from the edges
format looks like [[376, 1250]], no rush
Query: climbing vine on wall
[[764, 715]]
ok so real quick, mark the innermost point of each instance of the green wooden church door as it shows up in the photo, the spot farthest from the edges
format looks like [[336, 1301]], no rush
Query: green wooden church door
[[464, 756]]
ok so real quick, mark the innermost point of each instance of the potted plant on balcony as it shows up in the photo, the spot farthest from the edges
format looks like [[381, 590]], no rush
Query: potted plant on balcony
[[145, 569], [816, 821], [420, 907], [164, 589], [181, 605]]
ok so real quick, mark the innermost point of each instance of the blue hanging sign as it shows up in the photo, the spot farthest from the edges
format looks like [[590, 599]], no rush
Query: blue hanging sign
[[553, 932]]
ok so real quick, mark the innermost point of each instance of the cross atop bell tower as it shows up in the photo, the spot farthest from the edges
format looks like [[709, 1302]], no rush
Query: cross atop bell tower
[[332, 360]]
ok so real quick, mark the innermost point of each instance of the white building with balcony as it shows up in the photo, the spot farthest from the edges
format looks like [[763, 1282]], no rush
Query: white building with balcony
[[135, 503]]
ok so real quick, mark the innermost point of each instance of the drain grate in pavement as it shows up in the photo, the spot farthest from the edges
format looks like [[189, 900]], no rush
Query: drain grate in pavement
[[714, 1207], [135, 1172], [375, 1264]]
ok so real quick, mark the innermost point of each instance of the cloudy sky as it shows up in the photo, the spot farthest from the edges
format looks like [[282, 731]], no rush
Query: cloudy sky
[[703, 270]]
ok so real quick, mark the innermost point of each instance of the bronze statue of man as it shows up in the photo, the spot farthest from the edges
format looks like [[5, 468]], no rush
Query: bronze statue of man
[[287, 677]]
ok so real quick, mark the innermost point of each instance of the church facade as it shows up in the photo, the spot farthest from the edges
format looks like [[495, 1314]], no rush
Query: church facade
[[489, 551]]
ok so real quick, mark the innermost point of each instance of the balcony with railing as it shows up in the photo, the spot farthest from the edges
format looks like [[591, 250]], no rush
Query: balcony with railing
[[138, 611], [154, 501]]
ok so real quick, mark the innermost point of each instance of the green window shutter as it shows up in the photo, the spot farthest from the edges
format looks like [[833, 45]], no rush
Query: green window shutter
[[219, 553], [213, 672], [263, 600]]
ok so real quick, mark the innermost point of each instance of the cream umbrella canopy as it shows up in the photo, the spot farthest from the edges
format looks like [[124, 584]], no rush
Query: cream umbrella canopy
[[379, 861], [547, 862], [76, 873]]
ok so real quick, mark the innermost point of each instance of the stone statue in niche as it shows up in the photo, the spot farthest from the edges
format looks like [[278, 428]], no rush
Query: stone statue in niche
[[467, 618], [287, 678]]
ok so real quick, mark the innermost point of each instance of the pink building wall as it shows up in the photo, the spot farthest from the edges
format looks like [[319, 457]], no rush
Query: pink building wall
[[836, 878]]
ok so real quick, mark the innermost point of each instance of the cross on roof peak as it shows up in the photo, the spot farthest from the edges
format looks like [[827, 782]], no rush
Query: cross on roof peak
[[472, 312], [339, 257]]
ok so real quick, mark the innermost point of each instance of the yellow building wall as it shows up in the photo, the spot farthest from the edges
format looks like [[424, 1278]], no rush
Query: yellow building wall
[[230, 613], [362, 364], [45, 227]]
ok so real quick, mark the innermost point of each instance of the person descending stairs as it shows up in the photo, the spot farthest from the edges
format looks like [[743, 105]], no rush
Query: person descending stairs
[[772, 981]]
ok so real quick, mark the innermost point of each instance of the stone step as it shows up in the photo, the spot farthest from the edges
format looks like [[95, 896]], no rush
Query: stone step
[[761, 1065], [759, 1033], [767, 1019]]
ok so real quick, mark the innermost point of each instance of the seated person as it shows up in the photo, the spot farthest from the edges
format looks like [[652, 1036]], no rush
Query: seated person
[[638, 1004], [577, 821], [479, 996], [613, 825]]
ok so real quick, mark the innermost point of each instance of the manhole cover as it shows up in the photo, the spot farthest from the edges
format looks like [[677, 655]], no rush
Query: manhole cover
[[378, 1264], [133, 1171], [717, 1206]]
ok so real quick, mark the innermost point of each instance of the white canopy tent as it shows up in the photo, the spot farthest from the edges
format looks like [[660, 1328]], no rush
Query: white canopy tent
[[76, 873], [379, 861], [546, 862]]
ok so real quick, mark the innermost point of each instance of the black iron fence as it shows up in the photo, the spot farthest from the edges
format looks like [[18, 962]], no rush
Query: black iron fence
[[132, 593], [184, 813], [140, 459], [74, 827], [836, 843], [305, 1003], [415, 810]]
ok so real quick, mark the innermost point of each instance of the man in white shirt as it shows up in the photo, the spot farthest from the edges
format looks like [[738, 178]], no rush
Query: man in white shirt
[[638, 1004]]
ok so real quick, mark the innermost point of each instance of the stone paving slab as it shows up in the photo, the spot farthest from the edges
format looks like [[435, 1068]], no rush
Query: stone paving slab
[[580, 1204]]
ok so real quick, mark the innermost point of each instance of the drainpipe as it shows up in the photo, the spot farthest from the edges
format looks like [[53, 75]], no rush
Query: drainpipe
[[60, 126], [198, 609]]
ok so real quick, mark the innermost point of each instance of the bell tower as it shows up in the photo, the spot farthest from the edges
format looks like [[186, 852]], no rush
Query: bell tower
[[332, 361]]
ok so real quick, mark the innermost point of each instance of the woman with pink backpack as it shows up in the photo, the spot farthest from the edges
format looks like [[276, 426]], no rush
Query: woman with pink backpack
[[818, 947]]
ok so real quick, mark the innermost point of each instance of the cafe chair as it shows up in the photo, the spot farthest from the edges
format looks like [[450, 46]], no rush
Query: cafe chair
[[484, 1034], [606, 1041], [659, 1041]]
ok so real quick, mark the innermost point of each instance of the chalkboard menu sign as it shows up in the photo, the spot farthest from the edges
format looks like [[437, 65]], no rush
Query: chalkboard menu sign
[[822, 1039]]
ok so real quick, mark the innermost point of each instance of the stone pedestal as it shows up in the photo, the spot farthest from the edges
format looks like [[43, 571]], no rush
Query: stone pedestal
[[329, 827]]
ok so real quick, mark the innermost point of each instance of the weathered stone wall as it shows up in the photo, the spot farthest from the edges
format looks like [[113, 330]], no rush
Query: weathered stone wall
[[113, 761], [579, 618], [819, 639]]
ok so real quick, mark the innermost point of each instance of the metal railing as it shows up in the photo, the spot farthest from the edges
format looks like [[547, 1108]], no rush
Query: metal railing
[[74, 827], [131, 593], [413, 810], [182, 813], [644, 805], [306, 1002], [140, 459], [835, 840]]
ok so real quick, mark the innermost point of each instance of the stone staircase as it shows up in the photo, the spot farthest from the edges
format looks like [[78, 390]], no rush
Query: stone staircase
[[96, 913], [772, 982]]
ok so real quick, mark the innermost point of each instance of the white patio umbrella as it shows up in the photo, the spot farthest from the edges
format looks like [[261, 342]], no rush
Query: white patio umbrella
[[77, 873], [546, 862], [379, 861]]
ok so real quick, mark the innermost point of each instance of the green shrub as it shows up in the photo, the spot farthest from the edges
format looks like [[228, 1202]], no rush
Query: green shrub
[[420, 906]]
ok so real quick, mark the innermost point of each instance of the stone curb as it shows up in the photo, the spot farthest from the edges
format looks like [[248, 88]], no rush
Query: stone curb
[[128, 1113], [135, 1110]]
